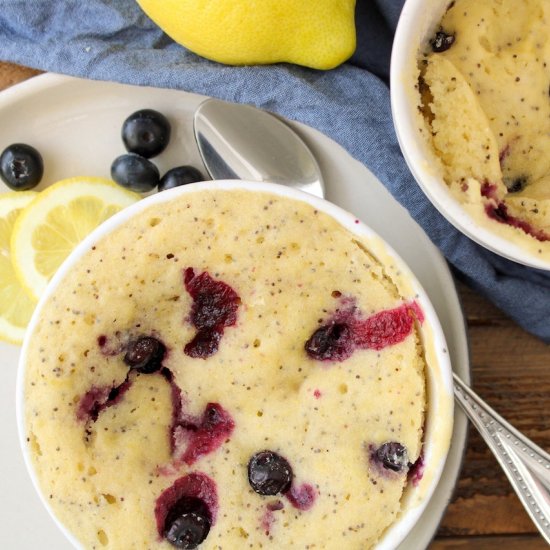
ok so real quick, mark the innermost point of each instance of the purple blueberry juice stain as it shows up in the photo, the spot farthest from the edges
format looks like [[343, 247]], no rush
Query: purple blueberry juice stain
[[195, 437], [498, 211], [97, 399], [268, 518], [302, 497], [141, 358], [190, 437], [214, 308], [500, 214], [503, 154], [88, 406], [267, 521], [111, 346], [275, 506], [347, 330], [177, 404], [489, 190], [195, 490], [416, 471], [388, 327]]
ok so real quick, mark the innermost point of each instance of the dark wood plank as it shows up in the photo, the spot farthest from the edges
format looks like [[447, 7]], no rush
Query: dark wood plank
[[12, 74], [511, 371], [522, 542]]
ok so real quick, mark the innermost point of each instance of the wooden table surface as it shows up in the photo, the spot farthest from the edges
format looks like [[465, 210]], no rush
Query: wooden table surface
[[511, 371]]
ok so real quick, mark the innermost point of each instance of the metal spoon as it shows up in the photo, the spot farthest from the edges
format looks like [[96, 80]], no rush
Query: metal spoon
[[242, 142]]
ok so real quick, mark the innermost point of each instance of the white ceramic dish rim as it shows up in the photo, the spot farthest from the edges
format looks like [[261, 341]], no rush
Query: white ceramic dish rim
[[440, 389], [417, 21]]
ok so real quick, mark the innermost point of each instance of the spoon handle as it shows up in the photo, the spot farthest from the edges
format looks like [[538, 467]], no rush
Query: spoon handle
[[526, 465]]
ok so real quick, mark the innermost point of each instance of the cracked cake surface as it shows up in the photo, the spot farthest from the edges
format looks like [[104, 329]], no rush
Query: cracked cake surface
[[485, 100], [227, 370]]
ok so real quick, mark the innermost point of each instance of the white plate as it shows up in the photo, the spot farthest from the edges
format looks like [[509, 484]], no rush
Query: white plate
[[75, 124]]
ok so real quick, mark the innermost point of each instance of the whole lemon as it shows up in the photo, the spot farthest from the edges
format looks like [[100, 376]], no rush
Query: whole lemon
[[314, 33]]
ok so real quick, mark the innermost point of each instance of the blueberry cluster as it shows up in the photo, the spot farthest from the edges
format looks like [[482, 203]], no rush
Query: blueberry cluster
[[146, 134]]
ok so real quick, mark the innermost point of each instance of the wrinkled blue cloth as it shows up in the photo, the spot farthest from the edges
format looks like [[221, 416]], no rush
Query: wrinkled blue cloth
[[114, 40]]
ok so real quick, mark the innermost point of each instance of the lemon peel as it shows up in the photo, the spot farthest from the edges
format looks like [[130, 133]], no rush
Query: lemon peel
[[320, 34], [16, 306]]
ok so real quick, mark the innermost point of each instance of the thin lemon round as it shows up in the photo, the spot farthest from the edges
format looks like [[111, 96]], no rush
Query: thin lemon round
[[16, 306], [49, 228]]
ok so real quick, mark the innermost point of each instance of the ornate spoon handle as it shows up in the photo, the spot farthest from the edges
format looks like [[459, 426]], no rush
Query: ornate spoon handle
[[526, 465]]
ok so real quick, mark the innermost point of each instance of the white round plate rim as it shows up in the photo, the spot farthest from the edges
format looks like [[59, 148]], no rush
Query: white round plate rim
[[335, 163]]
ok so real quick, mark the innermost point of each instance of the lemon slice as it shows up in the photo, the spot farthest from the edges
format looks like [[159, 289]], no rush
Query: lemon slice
[[56, 221], [16, 306]]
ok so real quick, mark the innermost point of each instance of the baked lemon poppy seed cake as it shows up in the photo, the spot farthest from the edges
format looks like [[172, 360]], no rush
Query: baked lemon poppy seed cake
[[484, 97], [227, 369]]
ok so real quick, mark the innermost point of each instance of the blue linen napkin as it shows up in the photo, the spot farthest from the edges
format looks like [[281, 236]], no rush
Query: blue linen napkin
[[114, 40]]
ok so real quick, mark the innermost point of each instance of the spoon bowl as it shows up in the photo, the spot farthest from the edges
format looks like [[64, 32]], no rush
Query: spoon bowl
[[243, 142]]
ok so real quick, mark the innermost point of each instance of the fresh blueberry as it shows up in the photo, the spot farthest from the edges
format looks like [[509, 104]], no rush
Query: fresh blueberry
[[182, 175], [393, 456], [442, 41], [21, 167], [330, 342], [145, 354], [269, 473], [146, 133], [187, 524], [135, 172]]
